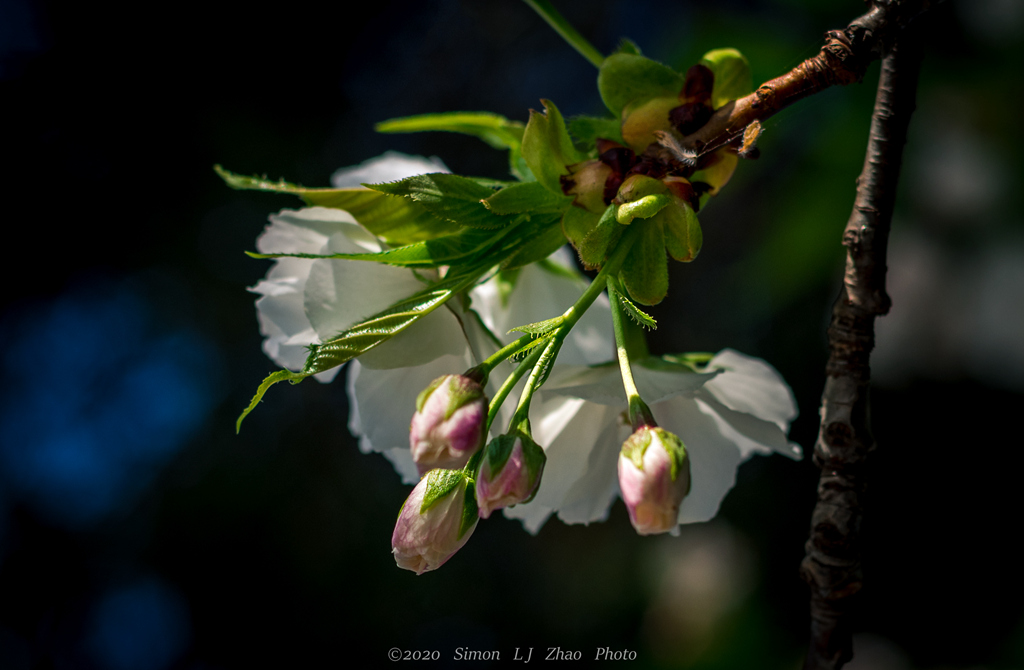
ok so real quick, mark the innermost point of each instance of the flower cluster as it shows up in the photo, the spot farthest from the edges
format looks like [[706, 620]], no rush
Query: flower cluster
[[448, 295]]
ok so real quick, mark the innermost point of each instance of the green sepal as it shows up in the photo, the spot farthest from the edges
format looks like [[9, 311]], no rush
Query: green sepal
[[497, 452], [587, 129], [630, 78], [577, 223], [440, 483], [628, 46], [645, 270], [683, 236], [593, 249], [641, 318], [643, 208], [526, 197], [733, 78], [696, 361], [637, 444], [463, 392], [494, 129], [421, 399], [547, 147], [449, 197], [397, 221], [470, 509]]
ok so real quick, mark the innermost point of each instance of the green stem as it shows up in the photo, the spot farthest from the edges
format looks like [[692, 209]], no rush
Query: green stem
[[536, 379], [510, 382], [639, 413], [482, 371], [568, 33]]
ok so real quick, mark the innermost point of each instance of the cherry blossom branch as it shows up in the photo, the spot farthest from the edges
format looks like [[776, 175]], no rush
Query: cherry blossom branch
[[832, 566], [843, 59]]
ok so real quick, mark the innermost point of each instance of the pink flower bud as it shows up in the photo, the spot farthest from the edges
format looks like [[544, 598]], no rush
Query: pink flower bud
[[448, 426], [654, 475], [509, 473], [435, 522]]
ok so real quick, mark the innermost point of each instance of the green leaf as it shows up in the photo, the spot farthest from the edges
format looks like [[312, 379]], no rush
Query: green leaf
[[521, 352], [634, 312], [587, 129], [494, 129], [377, 329], [439, 484], [465, 246], [537, 247], [644, 208], [628, 78], [396, 221], [732, 75], [526, 197], [448, 196], [547, 147], [645, 270]]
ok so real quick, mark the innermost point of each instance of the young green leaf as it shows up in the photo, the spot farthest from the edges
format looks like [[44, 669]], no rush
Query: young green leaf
[[448, 196], [587, 129], [538, 246], [494, 129], [628, 78], [540, 327], [547, 147], [397, 221], [463, 247], [372, 332], [634, 312], [526, 197], [732, 75]]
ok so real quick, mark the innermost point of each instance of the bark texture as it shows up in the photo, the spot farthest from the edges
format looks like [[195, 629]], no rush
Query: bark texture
[[842, 60], [832, 566]]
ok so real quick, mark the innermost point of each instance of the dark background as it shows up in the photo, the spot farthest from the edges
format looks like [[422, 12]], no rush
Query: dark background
[[138, 531]]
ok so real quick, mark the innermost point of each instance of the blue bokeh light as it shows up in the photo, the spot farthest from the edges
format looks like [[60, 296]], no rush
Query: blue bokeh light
[[97, 400]]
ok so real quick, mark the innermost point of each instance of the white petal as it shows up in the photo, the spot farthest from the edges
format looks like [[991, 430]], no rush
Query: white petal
[[382, 402], [391, 166], [576, 437], [280, 310], [714, 455], [540, 294], [751, 434], [436, 334], [753, 386]]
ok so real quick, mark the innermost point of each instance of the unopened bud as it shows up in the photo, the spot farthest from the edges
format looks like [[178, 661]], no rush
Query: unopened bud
[[435, 522], [654, 475], [448, 426], [509, 473]]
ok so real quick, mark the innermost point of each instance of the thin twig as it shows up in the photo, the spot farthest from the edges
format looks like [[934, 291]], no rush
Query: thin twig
[[842, 60], [832, 566]]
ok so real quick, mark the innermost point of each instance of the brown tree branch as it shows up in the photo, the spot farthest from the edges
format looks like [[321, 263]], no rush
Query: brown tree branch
[[842, 60], [832, 565]]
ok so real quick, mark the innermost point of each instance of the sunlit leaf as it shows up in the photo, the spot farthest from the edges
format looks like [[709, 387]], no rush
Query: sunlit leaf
[[629, 78], [732, 75], [448, 196], [547, 147]]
